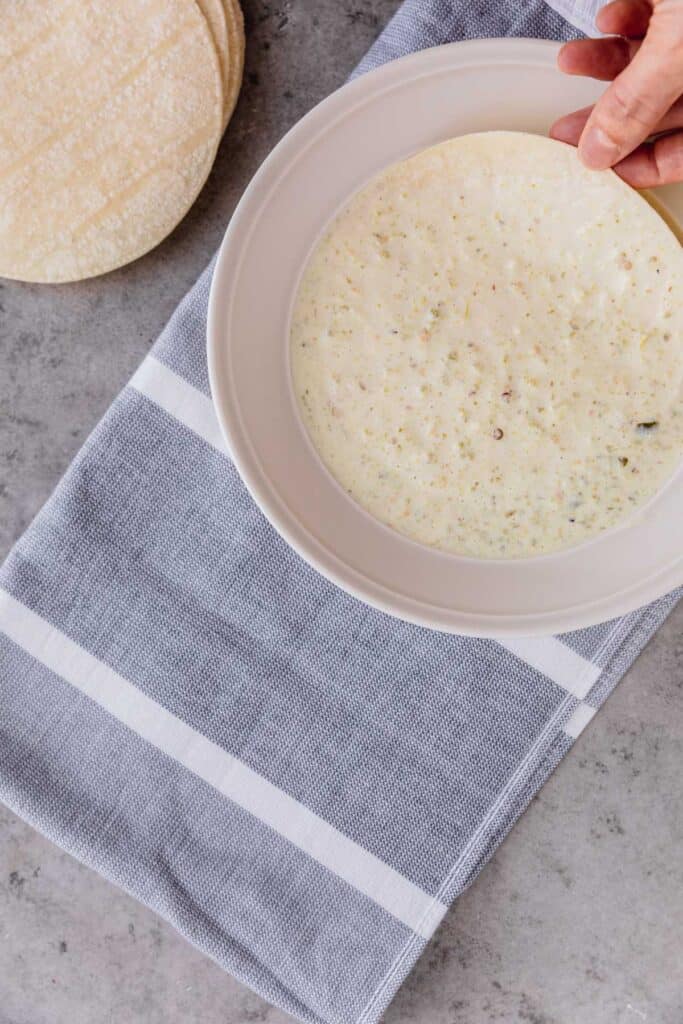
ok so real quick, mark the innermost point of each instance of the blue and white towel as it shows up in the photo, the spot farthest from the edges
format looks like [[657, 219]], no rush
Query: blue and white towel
[[300, 784]]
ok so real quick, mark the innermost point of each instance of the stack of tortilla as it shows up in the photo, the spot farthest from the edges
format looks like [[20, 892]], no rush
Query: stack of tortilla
[[112, 115]]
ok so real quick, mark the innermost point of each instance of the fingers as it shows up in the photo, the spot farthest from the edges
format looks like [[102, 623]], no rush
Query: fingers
[[597, 58], [644, 98], [633, 105], [659, 163], [569, 128], [625, 18]]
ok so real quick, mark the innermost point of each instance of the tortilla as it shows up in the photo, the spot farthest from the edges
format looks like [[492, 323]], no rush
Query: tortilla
[[236, 44], [487, 348], [214, 12], [112, 116]]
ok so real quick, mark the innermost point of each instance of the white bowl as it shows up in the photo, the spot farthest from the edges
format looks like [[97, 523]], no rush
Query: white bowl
[[372, 122]]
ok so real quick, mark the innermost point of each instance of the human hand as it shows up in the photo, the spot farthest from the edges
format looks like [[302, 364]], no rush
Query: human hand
[[643, 58]]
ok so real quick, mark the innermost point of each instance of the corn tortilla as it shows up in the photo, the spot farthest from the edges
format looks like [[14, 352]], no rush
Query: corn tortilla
[[487, 348], [112, 115], [216, 18], [236, 46]]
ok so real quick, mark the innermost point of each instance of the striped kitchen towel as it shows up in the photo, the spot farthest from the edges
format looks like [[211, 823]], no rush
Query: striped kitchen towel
[[300, 784]]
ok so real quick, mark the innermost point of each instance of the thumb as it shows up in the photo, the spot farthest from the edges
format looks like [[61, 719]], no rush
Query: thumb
[[640, 96]]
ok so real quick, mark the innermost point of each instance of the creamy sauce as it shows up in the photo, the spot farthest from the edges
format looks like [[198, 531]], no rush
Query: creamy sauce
[[487, 349]]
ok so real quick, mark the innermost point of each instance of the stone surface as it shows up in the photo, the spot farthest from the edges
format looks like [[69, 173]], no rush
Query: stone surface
[[577, 919]]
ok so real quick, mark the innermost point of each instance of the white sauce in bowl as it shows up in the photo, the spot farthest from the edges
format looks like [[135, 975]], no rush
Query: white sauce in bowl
[[487, 349]]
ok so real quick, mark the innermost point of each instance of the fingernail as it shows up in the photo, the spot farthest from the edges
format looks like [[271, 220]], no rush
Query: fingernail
[[597, 150]]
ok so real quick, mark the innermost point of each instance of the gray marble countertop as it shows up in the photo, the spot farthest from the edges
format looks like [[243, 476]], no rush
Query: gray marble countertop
[[579, 916]]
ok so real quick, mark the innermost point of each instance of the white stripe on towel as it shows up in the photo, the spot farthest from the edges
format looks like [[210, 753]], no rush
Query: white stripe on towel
[[194, 410], [179, 399], [579, 13], [557, 661], [579, 720], [232, 778]]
